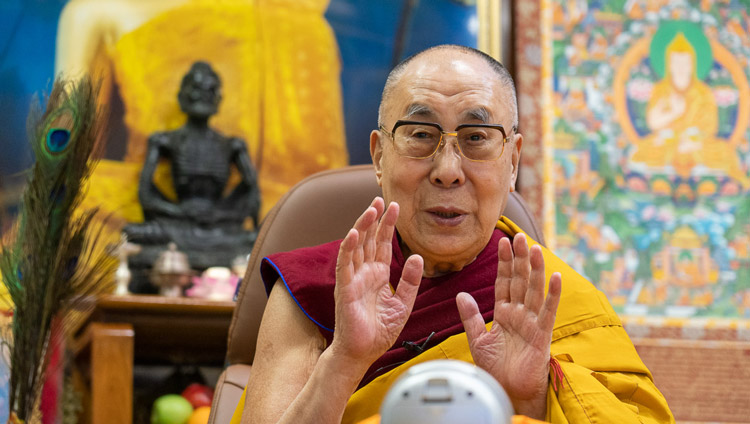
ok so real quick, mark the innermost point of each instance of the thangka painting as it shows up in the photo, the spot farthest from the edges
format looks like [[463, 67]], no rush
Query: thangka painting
[[652, 150]]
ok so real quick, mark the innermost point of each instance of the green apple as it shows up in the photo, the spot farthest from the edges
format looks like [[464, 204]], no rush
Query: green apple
[[171, 409]]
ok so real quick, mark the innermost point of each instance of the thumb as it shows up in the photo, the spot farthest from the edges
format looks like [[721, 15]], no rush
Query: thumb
[[470, 316]]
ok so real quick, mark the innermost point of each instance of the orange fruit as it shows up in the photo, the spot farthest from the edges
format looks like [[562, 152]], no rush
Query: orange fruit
[[200, 415]]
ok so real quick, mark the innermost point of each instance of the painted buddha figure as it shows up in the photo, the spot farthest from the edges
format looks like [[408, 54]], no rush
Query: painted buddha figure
[[682, 115]]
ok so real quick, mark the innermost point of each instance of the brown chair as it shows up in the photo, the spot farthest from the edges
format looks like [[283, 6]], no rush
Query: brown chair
[[321, 208]]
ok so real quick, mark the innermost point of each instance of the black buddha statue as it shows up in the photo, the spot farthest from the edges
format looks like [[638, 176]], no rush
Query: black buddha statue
[[203, 222]]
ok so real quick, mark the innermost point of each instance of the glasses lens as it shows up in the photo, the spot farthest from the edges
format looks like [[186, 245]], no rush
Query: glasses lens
[[481, 143], [416, 140]]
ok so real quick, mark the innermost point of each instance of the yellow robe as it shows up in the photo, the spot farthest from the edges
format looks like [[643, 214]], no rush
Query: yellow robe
[[604, 380]]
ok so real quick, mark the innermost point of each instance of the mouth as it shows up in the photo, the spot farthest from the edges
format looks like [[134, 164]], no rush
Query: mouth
[[447, 216]]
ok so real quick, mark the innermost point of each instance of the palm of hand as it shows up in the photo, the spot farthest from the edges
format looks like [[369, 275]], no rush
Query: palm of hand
[[366, 309], [516, 350], [369, 316]]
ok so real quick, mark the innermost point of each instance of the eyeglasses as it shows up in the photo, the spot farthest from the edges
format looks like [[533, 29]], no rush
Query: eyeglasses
[[421, 140]]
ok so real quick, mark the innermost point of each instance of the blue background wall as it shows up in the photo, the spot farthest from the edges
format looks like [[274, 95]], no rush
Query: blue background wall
[[27, 51]]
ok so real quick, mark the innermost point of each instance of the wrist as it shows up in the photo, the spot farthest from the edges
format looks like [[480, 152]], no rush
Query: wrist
[[349, 369], [535, 408]]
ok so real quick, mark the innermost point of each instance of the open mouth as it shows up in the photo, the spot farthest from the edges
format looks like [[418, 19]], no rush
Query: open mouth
[[446, 214], [449, 217]]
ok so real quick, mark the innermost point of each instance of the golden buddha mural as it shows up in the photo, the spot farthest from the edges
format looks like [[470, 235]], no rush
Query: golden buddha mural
[[689, 123]]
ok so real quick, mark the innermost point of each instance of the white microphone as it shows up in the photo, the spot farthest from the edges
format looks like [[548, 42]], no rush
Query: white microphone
[[443, 392]]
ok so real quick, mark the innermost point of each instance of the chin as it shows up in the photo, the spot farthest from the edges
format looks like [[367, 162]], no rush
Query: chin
[[449, 246]]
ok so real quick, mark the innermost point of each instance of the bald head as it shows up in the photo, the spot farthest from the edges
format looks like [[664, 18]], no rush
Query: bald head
[[394, 77]]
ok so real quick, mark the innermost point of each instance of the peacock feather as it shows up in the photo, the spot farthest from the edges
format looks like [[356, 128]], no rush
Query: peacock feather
[[54, 260]]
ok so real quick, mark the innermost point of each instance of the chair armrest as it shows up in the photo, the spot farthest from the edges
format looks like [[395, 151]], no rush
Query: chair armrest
[[228, 391]]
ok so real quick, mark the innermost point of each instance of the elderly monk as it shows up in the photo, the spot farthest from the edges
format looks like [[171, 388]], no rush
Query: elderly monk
[[428, 272]]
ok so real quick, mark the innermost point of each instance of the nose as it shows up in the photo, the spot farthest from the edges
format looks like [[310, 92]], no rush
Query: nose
[[447, 164]]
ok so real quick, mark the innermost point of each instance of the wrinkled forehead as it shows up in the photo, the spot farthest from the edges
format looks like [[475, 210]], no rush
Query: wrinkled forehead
[[450, 85]]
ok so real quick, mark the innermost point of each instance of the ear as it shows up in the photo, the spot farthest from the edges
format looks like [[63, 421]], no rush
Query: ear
[[515, 159], [376, 152]]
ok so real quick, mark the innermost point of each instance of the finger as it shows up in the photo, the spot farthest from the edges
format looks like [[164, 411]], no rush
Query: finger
[[549, 311], [504, 270], [344, 264], [387, 226], [365, 233], [408, 286], [535, 291], [361, 225], [470, 316], [368, 242], [378, 204], [520, 279]]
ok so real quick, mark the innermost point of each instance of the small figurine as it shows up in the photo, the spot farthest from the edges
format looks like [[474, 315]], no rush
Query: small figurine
[[123, 274]]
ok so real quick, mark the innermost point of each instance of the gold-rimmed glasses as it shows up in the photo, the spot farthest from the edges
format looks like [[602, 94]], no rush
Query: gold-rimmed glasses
[[421, 140]]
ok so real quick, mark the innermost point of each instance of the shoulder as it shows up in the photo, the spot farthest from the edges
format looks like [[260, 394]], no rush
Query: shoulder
[[307, 267], [160, 139], [660, 89], [236, 144], [582, 305], [309, 276], [703, 89]]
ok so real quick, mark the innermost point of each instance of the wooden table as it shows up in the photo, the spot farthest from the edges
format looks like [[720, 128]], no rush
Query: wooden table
[[149, 330]]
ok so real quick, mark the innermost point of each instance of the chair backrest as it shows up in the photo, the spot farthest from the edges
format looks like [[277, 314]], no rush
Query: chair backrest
[[319, 209]]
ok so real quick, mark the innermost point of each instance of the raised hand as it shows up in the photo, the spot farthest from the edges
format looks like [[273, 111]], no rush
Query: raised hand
[[369, 316], [516, 350]]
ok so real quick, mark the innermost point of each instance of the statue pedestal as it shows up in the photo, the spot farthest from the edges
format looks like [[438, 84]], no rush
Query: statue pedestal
[[204, 247]]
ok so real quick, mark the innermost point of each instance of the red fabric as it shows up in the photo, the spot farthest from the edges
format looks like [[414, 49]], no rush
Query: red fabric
[[53, 383], [309, 275]]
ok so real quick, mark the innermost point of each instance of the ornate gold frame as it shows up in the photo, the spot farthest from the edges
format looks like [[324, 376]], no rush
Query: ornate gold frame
[[490, 33]]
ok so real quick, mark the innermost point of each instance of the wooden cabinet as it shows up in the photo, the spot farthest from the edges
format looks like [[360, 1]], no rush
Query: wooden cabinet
[[124, 330]]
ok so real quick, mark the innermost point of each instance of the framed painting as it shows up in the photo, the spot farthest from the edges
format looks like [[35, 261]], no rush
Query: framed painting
[[301, 81], [649, 125]]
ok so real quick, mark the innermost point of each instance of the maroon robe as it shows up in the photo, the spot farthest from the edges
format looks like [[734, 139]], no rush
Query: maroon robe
[[310, 274]]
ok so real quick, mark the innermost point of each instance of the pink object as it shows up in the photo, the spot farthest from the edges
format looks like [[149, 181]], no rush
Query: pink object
[[215, 283]]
